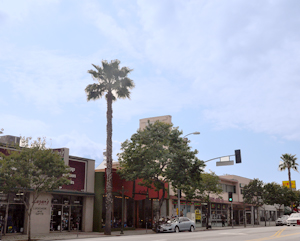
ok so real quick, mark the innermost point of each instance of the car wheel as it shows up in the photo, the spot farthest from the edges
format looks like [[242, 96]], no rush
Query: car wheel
[[192, 229], [177, 229]]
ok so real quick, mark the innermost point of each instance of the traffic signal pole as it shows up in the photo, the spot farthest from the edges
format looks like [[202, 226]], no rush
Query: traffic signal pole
[[231, 215]]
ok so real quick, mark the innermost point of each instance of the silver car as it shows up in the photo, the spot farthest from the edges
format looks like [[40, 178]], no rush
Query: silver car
[[177, 225]]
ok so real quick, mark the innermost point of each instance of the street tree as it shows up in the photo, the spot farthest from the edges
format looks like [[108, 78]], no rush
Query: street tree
[[32, 169], [208, 186], [158, 155], [112, 83], [288, 162], [253, 194]]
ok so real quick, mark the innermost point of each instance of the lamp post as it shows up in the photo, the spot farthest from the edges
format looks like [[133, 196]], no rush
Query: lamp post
[[178, 190]]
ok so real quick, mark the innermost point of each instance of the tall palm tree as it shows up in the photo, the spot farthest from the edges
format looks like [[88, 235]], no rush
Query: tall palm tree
[[113, 83], [289, 162]]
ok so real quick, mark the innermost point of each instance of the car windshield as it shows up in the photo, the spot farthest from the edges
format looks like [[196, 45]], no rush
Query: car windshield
[[295, 215], [174, 220]]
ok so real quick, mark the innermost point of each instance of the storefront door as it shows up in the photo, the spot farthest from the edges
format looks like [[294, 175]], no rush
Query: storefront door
[[56, 212], [65, 219]]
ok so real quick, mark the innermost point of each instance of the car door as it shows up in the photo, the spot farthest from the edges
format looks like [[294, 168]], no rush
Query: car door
[[186, 223], [181, 224]]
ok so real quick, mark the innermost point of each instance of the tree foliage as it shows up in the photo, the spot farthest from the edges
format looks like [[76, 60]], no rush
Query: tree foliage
[[253, 193], [113, 83], [157, 155], [32, 169]]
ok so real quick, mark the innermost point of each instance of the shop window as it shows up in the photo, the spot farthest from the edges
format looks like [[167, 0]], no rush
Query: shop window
[[16, 197], [15, 218], [66, 200], [117, 212], [76, 218], [75, 200], [57, 199], [65, 218]]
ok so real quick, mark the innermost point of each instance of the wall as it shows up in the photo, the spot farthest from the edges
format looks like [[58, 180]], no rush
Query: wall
[[41, 214], [87, 213], [166, 119]]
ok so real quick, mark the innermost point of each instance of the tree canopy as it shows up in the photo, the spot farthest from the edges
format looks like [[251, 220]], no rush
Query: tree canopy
[[158, 154]]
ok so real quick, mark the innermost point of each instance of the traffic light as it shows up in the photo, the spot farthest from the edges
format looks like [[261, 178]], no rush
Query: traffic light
[[238, 156], [230, 196]]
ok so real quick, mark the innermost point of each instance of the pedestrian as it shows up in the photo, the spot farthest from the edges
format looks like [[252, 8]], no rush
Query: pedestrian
[[223, 220]]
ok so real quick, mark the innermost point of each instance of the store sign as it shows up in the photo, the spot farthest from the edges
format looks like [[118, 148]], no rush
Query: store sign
[[77, 175], [287, 184], [40, 206], [41, 202]]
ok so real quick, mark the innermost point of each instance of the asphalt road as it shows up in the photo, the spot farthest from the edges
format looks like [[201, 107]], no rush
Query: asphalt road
[[248, 234]]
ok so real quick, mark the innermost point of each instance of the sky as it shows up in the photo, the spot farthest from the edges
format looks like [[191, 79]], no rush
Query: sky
[[228, 69]]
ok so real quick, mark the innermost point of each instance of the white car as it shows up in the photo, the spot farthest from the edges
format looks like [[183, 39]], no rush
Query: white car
[[282, 220], [293, 219]]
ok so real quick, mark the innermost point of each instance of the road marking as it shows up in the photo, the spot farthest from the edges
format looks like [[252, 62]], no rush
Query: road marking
[[275, 236]]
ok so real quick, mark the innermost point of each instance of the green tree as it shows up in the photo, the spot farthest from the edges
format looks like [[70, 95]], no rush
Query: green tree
[[253, 194], [289, 162], [113, 83], [158, 155], [32, 169], [209, 185]]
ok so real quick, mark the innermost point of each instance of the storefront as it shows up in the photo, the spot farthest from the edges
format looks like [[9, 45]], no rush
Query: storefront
[[12, 212], [66, 213], [70, 208], [140, 203]]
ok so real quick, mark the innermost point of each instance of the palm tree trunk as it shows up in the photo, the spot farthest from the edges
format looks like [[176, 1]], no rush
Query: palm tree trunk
[[290, 179], [109, 199]]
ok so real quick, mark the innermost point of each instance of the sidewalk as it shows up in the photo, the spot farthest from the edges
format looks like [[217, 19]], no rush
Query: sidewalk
[[73, 235]]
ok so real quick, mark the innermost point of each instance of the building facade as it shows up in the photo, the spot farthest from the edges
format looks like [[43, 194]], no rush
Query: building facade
[[68, 209]]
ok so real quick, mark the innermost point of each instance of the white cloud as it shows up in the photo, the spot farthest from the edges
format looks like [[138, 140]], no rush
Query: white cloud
[[81, 145], [34, 128]]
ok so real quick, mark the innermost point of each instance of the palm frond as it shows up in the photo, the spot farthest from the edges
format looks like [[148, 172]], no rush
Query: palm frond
[[95, 91]]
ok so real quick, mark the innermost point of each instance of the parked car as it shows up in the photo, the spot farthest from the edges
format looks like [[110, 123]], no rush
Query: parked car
[[177, 225], [282, 220], [293, 219]]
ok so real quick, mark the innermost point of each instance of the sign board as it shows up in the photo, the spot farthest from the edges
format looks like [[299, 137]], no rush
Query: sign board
[[287, 184]]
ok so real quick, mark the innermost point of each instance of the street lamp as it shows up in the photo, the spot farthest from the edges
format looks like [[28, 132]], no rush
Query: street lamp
[[178, 190], [193, 133]]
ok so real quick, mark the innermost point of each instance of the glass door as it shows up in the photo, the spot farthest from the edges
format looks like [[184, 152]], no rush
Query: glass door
[[65, 218], [55, 224]]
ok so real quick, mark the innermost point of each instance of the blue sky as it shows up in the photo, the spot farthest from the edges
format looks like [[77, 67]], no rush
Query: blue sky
[[229, 69]]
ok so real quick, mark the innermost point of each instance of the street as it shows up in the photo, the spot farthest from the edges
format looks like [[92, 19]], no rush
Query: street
[[249, 234]]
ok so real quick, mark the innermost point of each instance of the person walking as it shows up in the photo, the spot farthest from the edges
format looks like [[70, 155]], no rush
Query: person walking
[[223, 220]]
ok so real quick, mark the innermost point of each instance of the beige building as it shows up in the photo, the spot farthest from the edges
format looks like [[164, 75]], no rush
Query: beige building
[[144, 122]]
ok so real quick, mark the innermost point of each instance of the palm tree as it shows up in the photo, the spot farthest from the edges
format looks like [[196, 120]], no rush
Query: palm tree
[[112, 83], [289, 162]]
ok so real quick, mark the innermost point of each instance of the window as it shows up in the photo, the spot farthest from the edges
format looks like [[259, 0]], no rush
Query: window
[[228, 188]]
